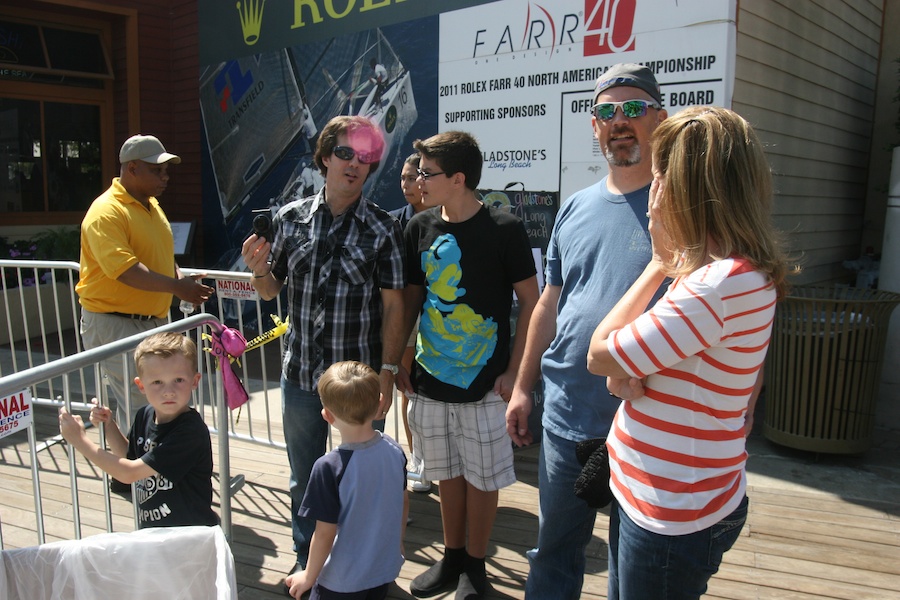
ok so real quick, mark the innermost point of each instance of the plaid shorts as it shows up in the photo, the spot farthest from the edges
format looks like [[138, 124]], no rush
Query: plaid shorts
[[467, 439]]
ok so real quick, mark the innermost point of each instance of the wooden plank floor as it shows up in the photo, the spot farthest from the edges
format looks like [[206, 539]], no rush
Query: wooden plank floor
[[819, 526]]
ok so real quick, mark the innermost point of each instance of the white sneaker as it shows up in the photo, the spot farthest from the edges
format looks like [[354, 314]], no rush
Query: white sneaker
[[421, 486]]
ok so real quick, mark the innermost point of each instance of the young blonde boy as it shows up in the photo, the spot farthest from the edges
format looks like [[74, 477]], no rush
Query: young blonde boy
[[356, 494], [168, 451]]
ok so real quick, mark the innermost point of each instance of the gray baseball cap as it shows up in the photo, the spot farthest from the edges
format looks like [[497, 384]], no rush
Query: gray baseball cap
[[146, 148], [629, 75]]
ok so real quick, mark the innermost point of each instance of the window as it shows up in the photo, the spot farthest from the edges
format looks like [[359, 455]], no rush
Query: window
[[52, 54], [56, 171], [55, 90]]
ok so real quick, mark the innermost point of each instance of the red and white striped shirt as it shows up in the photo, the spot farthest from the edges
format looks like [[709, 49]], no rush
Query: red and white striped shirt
[[677, 454]]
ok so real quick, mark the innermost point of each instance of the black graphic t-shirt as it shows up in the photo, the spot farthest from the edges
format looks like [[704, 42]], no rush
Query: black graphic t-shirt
[[468, 271], [180, 452]]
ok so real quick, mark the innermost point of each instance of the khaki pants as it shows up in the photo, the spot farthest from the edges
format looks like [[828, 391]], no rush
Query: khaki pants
[[99, 329]]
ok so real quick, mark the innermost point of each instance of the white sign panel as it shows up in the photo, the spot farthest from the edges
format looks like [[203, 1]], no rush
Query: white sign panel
[[520, 75], [236, 290], [15, 413]]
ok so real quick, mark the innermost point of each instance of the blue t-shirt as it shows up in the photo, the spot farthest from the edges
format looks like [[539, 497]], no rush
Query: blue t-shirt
[[598, 248], [403, 214], [360, 487]]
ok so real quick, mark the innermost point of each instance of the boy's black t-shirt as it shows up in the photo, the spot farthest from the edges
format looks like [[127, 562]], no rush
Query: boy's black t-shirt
[[180, 452], [468, 270]]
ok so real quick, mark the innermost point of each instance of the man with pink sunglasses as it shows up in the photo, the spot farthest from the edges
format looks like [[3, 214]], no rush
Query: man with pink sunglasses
[[342, 258]]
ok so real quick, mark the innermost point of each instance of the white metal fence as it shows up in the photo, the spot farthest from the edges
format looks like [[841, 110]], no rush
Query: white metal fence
[[38, 379], [41, 350], [239, 306]]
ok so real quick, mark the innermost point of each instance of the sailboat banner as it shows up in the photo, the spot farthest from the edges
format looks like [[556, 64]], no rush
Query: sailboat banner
[[518, 74]]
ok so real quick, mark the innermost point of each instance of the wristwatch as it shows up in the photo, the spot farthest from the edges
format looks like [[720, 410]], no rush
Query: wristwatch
[[389, 367]]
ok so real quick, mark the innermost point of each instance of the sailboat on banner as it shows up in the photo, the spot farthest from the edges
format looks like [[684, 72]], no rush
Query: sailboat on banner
[[374, 84], [262, 115]]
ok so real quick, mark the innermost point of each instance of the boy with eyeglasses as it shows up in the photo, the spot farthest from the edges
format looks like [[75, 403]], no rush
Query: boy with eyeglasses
[[598, 248], [465, 261], [342, 258]]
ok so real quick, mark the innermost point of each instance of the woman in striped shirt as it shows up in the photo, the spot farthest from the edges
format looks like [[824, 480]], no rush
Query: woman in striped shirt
[[687, 368]]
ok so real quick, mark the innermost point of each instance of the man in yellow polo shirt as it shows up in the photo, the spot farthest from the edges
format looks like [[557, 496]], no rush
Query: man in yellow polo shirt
[[128, 271]]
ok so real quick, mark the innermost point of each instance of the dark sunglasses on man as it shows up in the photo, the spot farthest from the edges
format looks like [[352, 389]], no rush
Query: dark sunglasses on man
[[347, 153], [630, 108]]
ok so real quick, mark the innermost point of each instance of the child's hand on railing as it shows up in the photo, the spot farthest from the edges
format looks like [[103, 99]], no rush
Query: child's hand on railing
[[70, 426], [99, 414]]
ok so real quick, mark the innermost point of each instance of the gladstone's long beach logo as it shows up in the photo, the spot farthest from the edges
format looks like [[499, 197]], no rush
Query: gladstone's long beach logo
[[390, 119], [251, 13]]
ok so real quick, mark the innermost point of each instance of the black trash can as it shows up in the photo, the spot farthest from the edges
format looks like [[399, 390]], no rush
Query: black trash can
[[824, 368]]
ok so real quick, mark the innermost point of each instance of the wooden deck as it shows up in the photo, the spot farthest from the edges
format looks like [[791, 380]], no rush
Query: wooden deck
[[819, 526]]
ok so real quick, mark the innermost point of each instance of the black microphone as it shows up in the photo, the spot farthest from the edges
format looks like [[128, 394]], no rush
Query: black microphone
[[262, 226]]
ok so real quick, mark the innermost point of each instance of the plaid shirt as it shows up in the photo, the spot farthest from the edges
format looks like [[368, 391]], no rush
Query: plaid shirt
[[335, 267]]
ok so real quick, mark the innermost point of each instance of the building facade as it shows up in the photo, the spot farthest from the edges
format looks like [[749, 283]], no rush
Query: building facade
[[817, 80]]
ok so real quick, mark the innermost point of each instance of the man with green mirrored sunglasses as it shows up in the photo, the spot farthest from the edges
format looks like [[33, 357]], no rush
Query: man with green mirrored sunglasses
[[598, 247]]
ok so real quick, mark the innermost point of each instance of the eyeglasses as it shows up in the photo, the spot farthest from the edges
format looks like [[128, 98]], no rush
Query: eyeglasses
[[630, 108], [347, 153], [427, 176]]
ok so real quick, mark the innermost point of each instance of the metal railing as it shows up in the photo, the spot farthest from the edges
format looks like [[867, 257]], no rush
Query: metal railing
[[42, 344], [236, 302], [235, 299], [39, 309], [35, 377]]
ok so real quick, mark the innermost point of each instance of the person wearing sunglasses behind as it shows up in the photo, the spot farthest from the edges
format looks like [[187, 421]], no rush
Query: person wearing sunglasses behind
[[598, 248], [687, 368], [343, 261]]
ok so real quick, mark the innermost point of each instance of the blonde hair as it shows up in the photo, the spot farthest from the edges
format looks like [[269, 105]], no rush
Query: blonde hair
[[165, 345], [716, 194], [351, 391]]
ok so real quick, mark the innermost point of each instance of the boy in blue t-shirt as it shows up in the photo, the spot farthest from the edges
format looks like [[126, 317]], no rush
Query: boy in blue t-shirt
[[356, 494]]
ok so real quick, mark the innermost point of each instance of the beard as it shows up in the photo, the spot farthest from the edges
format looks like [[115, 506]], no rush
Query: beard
[[623, 158]]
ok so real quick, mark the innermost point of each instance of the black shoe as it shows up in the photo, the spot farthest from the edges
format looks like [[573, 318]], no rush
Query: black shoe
[[438, 576], [473, 581]]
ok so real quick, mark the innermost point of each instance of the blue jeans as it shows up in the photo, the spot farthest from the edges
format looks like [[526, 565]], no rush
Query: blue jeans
[[647, 566], [305, 434], [565, 527]]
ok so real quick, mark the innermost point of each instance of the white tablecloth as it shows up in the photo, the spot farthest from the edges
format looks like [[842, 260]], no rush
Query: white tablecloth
[[166, 562]]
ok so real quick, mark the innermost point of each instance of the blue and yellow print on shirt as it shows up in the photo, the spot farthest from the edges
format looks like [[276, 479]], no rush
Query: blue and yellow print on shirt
[[455, 342]]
